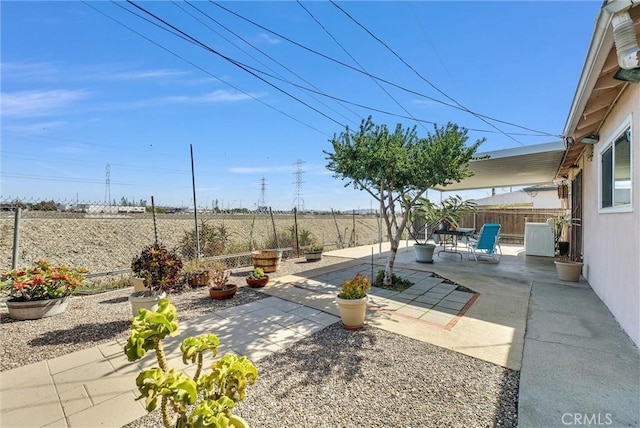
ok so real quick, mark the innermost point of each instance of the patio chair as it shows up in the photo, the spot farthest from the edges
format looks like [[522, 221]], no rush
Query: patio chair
[[487, 244]]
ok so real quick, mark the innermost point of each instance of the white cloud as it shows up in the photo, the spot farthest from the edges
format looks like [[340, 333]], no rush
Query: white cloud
[[271, 40], [39, 102], [219, 96], [148, 74], [27, 71]]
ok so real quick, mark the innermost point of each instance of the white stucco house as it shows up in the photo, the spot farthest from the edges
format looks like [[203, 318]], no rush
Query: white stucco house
[[602, 163]]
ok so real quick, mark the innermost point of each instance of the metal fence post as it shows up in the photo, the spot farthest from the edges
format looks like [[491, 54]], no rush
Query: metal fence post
[[16, 238], [275, 232], [153, 213], [295, 228]]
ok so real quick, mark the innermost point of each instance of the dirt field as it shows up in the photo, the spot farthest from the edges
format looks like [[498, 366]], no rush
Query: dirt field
[[104, 243]]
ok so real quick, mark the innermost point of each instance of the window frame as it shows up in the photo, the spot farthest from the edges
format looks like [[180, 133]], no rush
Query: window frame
[[626, 123]]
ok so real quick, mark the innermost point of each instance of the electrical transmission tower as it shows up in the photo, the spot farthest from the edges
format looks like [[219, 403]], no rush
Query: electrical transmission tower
[[298, 202], [107, 188], [262, 202]]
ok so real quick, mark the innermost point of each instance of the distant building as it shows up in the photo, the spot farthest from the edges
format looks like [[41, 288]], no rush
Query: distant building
[[544, 197]]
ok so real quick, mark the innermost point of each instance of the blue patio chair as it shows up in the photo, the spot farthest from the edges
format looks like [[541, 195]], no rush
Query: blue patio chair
[[487, 244]]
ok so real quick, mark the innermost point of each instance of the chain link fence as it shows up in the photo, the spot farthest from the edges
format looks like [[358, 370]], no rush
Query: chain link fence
[[104, 238]]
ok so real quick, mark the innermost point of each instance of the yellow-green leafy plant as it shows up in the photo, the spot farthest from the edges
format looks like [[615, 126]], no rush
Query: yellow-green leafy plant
[[203, 400], [257, 273], [356, 287]]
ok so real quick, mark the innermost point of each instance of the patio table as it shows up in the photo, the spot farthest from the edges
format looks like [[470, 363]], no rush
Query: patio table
[[450, 240]]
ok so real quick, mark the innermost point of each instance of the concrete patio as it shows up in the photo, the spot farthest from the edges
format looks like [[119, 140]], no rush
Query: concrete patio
[[575, 362]]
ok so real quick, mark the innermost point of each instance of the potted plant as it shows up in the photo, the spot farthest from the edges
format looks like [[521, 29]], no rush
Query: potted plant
[[197, 272], [220, 288], [560, 224], [40, 291], [313, 253], [206, 398], [160, 269], [257, 278], [447, 214], [567, 269], [352, 301]]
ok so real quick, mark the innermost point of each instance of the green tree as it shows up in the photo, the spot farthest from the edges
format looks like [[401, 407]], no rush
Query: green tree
[[396, 168]]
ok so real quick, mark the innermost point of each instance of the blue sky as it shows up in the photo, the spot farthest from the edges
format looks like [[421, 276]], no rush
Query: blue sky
[[80, 91]]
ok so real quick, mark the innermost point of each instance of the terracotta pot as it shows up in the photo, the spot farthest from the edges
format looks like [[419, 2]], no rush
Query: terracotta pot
[[257, 282], [36, 309], [352, 312], [569, 271], [221, 294]]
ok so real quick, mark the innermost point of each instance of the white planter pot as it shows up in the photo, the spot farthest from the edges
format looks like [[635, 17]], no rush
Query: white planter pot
[[352, 312], [569, 271], [37, 309], [424, 252], [139, 301]]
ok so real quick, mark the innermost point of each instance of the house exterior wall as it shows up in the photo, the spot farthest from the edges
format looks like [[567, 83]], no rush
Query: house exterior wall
[[540, 199], [611, 241]]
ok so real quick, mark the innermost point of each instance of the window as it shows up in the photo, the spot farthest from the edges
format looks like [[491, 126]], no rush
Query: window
[[615, 172]]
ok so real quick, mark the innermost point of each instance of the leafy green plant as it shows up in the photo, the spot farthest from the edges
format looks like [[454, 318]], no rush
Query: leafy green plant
[[356, 287], [315, 247], [159, 267], [214, 240], [560, 223], [204, 400], [449, 212], [43, 281], [257, 273], [396, 167], [397, 283]]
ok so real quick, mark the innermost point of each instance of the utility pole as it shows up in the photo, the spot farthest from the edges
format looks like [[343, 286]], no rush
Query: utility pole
[[299, 201], [262, 202], [107, 188]]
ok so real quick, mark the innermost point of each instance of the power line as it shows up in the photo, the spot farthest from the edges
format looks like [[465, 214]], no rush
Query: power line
[[418, 74], [374, 76], [234, 62], [356, 61], [200, 68], [260, 51]]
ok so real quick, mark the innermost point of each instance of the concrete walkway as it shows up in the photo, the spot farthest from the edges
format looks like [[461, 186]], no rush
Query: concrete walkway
[[577, 366]]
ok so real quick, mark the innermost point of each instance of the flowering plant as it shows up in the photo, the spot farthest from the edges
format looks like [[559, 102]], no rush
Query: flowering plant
[[356, 287], [41, 282]]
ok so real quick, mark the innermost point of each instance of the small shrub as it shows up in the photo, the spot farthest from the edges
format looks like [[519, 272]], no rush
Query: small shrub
[[397, 283]]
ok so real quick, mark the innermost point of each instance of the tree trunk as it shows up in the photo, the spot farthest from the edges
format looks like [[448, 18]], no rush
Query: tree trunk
[[388, 269]]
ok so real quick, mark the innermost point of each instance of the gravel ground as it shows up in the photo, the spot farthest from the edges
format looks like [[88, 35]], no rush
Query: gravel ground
[[100, 318], [374, 378], [334, 378]]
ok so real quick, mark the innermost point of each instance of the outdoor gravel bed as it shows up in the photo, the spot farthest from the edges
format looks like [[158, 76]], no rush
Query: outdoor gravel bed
[[91, 320], [374, 378]]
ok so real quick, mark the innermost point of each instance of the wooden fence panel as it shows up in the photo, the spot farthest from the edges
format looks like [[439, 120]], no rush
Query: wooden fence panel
[[512, 221]]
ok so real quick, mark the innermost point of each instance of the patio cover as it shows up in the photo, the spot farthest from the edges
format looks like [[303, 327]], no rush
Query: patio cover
[[520, 166]]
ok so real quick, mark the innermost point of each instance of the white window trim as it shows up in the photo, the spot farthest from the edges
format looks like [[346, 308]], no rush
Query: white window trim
[[626, 123]]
